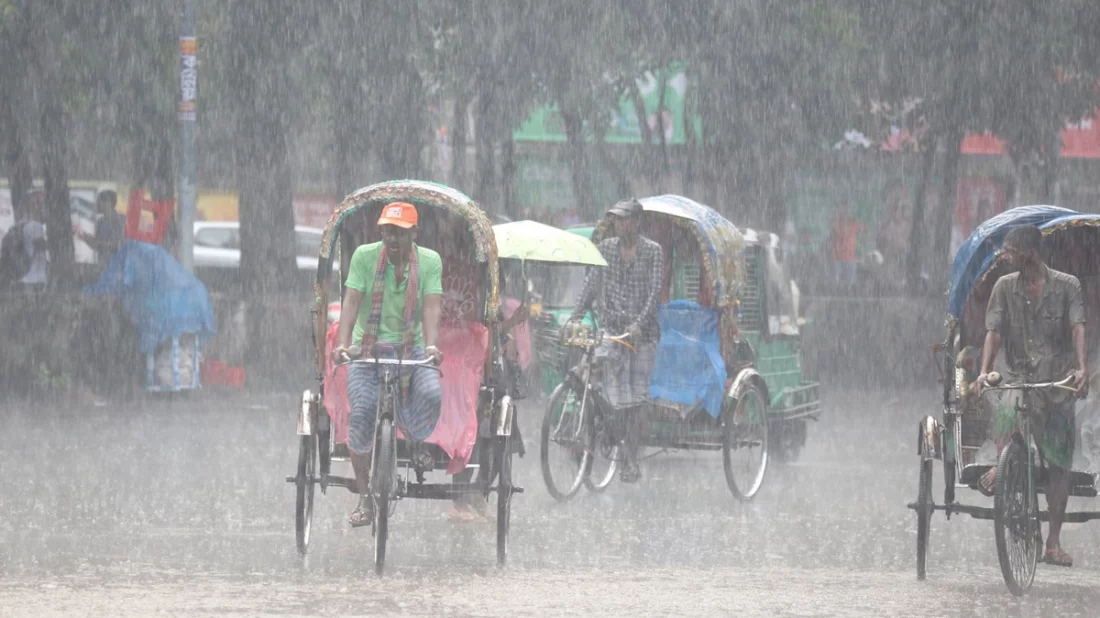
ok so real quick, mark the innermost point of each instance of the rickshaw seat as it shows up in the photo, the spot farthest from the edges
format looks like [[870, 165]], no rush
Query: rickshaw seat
[[465, 347]]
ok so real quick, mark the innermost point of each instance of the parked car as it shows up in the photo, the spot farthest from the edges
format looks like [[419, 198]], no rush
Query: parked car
[[217, 244]]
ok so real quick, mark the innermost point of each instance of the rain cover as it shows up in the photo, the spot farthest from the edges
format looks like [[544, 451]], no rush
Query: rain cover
[[162, 299], [981, 248], [689, 366]]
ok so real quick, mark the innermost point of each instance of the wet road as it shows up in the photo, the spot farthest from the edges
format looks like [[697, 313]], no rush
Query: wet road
[[180, 508]]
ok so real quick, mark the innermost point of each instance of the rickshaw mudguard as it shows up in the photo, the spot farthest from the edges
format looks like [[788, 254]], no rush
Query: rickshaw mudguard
[[502, 420], [929, 432], [744, 379], [307, 413]]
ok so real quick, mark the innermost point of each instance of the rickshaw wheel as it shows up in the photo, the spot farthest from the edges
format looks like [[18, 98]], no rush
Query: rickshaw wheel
[[503, 456], [745, 428], [303, 484], [382, 481], [578, 452], [1016, 520], [606, 449], [924, 515]]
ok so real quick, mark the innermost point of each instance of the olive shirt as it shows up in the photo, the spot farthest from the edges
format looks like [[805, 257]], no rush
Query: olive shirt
[[1038, 337], [361, 276]]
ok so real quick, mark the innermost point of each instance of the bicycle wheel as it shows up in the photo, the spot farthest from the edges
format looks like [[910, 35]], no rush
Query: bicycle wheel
[[745, 443], [382, 487], [605, 454], [924, 515], [1016, 519], [303, 484], [503, 456], [566, 443]]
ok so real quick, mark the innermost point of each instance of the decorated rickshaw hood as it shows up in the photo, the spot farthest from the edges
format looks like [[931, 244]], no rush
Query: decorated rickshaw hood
[[425, 194], [720, 242], [979, 252]]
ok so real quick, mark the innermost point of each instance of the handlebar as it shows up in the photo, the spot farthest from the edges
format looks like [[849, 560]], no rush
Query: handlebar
[[354, 352], [993, 380]]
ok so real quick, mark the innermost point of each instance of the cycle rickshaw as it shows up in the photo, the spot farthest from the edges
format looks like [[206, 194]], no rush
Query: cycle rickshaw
[[707, 391], [1071, 243], [475, 429]]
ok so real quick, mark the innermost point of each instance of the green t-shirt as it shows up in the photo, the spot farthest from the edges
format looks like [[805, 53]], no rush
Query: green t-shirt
[[361, 274]]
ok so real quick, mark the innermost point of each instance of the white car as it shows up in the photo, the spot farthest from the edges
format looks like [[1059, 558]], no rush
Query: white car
[[217, 244]]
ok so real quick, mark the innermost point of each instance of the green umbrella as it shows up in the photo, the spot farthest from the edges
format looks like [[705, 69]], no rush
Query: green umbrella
[[535, 242]]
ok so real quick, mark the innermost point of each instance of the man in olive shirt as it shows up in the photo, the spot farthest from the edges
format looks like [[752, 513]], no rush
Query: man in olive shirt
[[1039, 314]]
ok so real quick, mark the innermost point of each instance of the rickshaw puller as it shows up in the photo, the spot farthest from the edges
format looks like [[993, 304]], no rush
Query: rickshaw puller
[[1039, 314], [404, 283], [627, 292]]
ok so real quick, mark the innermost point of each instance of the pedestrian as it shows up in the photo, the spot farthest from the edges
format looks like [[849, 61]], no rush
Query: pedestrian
[[24, 261], [110, 227], [844, 241]]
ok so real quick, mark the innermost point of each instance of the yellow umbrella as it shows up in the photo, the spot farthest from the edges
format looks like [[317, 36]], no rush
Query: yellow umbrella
[[532, 241]]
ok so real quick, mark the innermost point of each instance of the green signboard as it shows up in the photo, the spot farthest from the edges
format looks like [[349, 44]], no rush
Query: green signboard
[[545, 124]]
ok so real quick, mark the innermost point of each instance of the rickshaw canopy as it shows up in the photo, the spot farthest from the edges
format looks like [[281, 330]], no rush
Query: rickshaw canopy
[[980, 250], [720, 242], [536, 242]]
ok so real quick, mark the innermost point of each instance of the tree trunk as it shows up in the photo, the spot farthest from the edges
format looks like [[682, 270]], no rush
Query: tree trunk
[[941, 257], [458, 140], [508, 176], [917, 234], [1049, 189], [484, 134], [578, 162], [16, 161], [55, 181], [262, 166], [662, 174]]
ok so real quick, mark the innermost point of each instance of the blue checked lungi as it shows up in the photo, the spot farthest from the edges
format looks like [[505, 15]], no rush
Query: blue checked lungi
[[420, 408]]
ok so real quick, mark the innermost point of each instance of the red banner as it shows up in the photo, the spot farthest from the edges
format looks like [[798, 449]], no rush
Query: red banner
[[1079, 141]]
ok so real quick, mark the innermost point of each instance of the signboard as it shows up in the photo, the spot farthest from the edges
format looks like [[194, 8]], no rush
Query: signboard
[[623, 124], [189, 77], [1080, 140]]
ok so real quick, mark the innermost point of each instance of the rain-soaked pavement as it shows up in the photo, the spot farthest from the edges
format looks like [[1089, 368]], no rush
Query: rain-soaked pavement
[[180, 508]]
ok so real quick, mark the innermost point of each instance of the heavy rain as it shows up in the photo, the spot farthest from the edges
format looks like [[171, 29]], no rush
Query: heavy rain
[[715, 291]]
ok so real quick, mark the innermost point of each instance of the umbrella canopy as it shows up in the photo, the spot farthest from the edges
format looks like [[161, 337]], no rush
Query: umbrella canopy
[[535, 242]]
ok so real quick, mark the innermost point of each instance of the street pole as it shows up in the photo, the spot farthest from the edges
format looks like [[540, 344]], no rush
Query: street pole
[[189, 74]]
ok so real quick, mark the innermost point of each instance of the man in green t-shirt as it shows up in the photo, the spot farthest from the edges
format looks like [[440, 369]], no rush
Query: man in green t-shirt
[[403, 285]]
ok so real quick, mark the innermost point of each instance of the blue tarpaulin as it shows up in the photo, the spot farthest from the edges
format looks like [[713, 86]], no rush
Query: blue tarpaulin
[[162, 299], [981, 248], [689, 366]]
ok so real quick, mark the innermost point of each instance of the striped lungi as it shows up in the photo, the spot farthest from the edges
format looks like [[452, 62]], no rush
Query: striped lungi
[[418, 414]]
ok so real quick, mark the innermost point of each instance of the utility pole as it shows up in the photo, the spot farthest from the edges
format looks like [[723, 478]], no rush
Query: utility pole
[[189, 82]]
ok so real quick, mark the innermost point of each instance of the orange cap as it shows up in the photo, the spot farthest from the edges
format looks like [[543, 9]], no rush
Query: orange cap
[[401, 214]]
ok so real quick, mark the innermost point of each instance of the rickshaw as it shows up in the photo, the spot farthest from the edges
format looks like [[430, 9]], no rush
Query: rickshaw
[[478, 418], [707, 391], [961, 437]]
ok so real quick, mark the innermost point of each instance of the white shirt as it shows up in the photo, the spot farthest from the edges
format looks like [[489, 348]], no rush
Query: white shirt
[[34, 231]]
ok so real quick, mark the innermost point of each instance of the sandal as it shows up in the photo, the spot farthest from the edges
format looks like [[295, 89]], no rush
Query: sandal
[[1058, 557], [987, 484], [363, 515]]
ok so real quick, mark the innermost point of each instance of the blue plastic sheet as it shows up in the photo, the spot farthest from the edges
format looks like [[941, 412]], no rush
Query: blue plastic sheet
[[689, 366], [162, 299]]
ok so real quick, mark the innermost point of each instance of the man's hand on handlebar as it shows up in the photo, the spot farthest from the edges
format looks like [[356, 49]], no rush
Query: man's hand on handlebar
[[435, 354], [633, 332], [1081, 382], [341, 355]]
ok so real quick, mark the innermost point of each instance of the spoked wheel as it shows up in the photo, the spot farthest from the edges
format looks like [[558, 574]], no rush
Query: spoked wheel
[[382, 489], [924, 515], [745, 443], [303, 484], [605, 455], [566, 442], [503, 457], [1016, 520]]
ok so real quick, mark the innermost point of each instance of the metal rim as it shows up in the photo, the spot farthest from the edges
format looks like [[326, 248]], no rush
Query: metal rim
[[304, 492], [565, 434], [1016, 520], [745, 439]]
